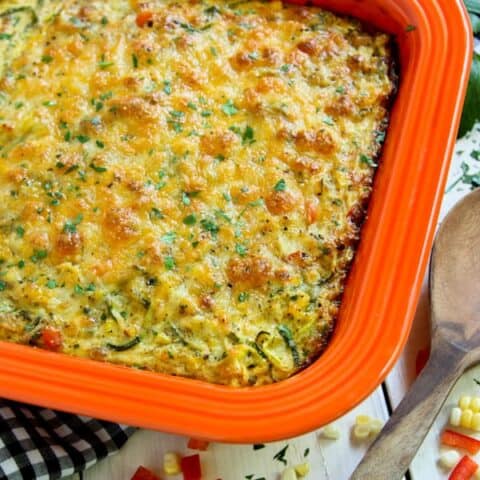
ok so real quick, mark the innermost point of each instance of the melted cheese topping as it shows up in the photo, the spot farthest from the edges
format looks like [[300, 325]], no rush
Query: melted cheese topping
[[182, 183]]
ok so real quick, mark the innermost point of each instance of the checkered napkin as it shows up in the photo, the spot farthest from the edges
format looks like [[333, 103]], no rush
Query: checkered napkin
[[41, 444]]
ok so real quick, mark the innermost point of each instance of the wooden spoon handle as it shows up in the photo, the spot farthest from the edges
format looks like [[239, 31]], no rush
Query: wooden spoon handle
[[390, 455]]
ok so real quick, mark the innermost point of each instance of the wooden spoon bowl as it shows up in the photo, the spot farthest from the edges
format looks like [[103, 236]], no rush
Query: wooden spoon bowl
[[455, 305]]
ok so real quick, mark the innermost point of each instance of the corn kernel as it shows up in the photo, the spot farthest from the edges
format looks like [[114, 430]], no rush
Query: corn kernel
[[361, 432], [464, 402], [449, 459], [475, 405], [363, 420], [171, 463], [289, 474], [331, 432], [376, 426], [455, 416], [466, 420], [302, 469], [476, 422]]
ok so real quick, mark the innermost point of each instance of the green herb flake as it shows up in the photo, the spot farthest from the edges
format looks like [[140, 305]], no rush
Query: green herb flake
[[248, 136], [340, 89], [186, 199], [104, 21], [209, 226], [71, 225], [47, 59], [285, 68], [3, 285], [243, 296], [83, 138], [167, 87], [99, 144], [6, 36], [229, 108], [191, 105], [97, 168], [103, 64], [51, 284], [21, 264], [169, 238], [367, 160], [328, 121], [280, 186], [280, 456], [68, 135], [20, 231], [156, 214], [190, 220], [38, 255], [241, 249], [49, 103], [169, 263]]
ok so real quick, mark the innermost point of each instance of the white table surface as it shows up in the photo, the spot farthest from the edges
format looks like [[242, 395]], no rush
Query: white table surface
[[329, 460]]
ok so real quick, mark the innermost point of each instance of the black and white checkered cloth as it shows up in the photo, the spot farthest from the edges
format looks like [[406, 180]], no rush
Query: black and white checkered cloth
[[41, 444]]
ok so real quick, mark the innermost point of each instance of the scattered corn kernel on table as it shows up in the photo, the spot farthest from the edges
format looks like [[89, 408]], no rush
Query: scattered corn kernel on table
[[328, 458]]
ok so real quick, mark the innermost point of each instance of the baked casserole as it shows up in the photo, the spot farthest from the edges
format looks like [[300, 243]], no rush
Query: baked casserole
[[183, 182]]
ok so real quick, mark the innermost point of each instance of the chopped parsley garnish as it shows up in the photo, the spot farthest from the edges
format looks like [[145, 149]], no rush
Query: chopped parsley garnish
[[21, 264], [280, 456], [177, 113], [47, 58], [209, 226], [99, 144], [104, 21], [3, 285], [248, 136], [191, 105], [167, 87], [169, 237], [340, 89], [190, 220], [51, 284], [280, 186], [286, 68], [155, 214], [83, 138], [221, 214], [206, 113], [220, 157], [169, 263], [38, 255], [71, 225], [20, 231], [229, 108], [186, 199], [367, 160], [243, 296], [134, 61], [68, 135], [97, 168], [241, 249], [49, 103], [6, 36], [103, 64], [328, 121], [287, 336]]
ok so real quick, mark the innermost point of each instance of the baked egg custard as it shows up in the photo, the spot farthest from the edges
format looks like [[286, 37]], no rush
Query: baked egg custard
[[182, 183]]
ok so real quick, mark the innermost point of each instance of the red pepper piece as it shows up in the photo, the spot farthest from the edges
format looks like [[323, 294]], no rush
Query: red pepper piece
[[143, 473], [458, 440], [51, 339], [197, 444], [464, 470], [143, 18], [191, 467]]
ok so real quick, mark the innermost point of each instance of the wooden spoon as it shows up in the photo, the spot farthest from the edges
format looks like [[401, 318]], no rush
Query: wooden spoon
[[455, 307]]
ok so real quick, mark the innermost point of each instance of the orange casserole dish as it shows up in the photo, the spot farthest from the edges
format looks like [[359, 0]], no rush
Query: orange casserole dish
[[382, 289]]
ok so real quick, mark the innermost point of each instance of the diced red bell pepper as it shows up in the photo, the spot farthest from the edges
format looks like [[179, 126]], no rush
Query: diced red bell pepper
[[458, 440], [464, 470], [143, 473], [197, 444], [144, 18], [51, 339], [191, 467]]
